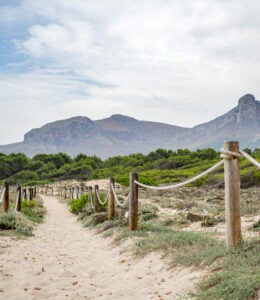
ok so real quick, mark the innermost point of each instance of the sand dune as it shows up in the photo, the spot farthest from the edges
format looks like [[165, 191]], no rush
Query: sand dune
[[65, 261]]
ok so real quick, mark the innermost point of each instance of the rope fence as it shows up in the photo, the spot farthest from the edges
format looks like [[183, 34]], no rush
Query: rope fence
[[230, 155], [27, 194]]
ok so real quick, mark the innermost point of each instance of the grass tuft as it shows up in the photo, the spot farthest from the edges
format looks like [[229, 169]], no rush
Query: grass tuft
[[239, 277], [17, 222]]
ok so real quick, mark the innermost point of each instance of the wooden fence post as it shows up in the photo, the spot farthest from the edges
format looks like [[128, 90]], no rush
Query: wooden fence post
[[96, 189], [90, 195], [232, 197], [133, 202], [31, 193], [24, 194], [111, 203], [28, 194], [6, 197], [19, 199]]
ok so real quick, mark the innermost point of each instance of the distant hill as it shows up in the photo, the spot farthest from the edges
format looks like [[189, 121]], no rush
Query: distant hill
[[121, 135]]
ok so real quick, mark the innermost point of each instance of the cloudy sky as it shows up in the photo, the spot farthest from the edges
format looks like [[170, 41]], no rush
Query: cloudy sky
[[175, 61]]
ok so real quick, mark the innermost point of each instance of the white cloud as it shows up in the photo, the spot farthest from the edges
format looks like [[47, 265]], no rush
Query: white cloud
[[181, 62]]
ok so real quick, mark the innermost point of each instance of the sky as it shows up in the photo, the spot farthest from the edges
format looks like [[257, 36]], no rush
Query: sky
[[181, 62]]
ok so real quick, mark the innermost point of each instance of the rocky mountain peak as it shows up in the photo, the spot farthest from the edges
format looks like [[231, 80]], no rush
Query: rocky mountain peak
[[247, 100], [248, 111]]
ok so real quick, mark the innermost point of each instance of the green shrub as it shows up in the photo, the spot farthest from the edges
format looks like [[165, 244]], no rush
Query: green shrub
[[15, 221], [95, 219], [238, 278], [147, 212], [124, 180], [77, 205], [33, 210]]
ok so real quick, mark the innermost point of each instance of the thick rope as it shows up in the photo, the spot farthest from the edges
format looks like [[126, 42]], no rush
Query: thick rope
[[117, 201], [226, 154], [16, 202], [181, 183], [250, 158], [99, 200], [91, 201], [2, 196]]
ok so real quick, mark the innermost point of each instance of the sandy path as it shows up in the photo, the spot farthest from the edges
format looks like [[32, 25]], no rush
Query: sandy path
[[65, 261]]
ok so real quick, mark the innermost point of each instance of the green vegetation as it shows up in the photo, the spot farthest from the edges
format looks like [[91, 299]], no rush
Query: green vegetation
[[77, 205], [233, 275], [17, 222], [34, 210], [22, 223], [237, 277], [157, 167]]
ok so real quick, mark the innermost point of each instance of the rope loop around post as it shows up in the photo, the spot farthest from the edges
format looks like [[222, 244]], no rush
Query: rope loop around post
[[227, 154]]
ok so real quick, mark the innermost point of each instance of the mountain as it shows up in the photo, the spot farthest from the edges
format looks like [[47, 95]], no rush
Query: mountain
[[242, 124], [121, 135]]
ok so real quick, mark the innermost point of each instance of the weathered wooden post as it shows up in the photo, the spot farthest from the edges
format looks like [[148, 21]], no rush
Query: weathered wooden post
[[72, 193], [90, 195], [24, 194], [65, 192], [27, 194], [96, 189], [232, 196], [111, 203], [18, 206], [30, 194], [133, 202], [6, 197], [77, 192]]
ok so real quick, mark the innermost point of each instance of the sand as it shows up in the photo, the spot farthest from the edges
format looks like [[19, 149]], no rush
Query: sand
[[65, 261]]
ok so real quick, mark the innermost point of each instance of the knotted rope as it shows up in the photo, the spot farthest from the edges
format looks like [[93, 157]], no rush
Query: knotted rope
[[227, 154]]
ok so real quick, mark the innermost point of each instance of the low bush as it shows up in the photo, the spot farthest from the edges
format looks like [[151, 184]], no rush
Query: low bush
[[124, 180], [238, 276], [77, 205], [33, 210], [95, 219], [17, 222]]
